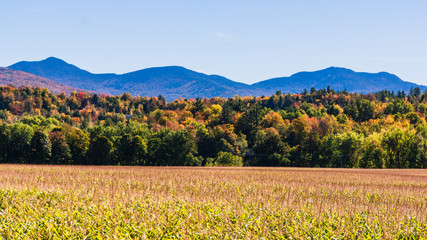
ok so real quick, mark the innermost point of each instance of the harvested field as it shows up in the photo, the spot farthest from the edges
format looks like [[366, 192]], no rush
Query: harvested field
[[76, 202]]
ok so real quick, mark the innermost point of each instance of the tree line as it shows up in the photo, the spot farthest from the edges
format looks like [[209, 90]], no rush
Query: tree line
[[316, 128]]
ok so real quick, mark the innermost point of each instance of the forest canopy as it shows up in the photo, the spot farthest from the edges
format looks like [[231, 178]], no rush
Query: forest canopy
[[317, 128]]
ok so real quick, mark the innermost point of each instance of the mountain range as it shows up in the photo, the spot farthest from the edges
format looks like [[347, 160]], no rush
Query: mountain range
[[174, 82]]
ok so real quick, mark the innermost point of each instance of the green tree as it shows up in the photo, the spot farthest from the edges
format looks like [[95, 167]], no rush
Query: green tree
[[400, 147], [41, 147], [228, 159], [140, 150], [398, 106], [365, 109], [131, 150], [269, 149], [19, 143], [413, 118], [226, 116], [100, 151], [341, 150], [60, 150], [172, 148], [78, 142], [360, 110], [198, 106], [372, 153], [422, 108], [4, 141], [250, 122], [298, 132], [218, 139]]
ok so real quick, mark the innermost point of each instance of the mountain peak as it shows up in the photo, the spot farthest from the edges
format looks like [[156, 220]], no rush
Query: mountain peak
[[50, 62], [338, 70], [327, 71], [53, 59], [53, 62]]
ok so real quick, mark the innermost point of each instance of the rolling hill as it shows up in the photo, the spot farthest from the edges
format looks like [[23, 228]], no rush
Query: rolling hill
[[65, 73], [337, 79], [19, 78], [174, 82]]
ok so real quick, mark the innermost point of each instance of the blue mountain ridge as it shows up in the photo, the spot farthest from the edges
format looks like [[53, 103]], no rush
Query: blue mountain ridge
[[174, 82]]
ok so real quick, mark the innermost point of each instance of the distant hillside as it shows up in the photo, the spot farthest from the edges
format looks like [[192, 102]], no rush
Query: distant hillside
[[68, 74], [19, 78], [174, 82], [337, 79]]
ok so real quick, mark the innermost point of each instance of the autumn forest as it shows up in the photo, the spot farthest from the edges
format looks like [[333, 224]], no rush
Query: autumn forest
[[316, 128]]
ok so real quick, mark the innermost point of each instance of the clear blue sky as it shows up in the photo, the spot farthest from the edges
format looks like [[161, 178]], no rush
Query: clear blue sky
[[246, 41]]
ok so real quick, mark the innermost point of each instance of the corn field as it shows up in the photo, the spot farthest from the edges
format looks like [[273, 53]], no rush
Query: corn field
[[85, 202]]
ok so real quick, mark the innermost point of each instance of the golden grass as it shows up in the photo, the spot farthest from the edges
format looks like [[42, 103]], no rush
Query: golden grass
[[76, 202]]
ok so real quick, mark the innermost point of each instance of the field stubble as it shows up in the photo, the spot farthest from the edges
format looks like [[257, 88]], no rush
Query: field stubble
[[76, 202]]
